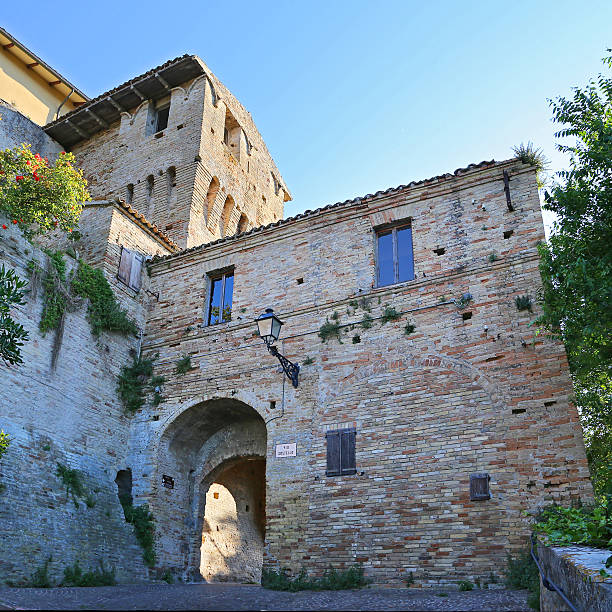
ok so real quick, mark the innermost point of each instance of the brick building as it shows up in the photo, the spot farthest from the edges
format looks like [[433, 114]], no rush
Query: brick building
[[428, 414]]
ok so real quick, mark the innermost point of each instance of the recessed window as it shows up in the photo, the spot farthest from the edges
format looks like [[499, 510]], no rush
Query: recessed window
[[340, 452], [130, 268], [394, 259], [220, 298], [479, 487], [157, 119]]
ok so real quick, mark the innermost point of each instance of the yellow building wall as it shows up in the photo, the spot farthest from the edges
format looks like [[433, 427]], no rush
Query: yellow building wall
[[29, 93]]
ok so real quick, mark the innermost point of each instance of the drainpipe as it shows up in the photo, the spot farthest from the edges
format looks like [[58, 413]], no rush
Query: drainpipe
[[62, 104]]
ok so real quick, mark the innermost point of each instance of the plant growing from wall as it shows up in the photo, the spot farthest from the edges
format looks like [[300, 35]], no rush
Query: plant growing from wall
[[389, 314], [38, 195], [493, 257], [55, 291], [75, 577], [104, 312], [367, 321], [135, 381], [409, 329], [330, 330], [523, 302], [529, 154], [463, 301], [12, 334], [308, 361], [72, 479], [183, 365], [144, 527]]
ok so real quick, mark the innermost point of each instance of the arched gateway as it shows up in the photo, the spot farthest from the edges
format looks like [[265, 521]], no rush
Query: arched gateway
[[211, 512]]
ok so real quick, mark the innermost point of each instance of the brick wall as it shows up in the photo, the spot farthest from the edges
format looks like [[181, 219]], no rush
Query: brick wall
[[460, 395]]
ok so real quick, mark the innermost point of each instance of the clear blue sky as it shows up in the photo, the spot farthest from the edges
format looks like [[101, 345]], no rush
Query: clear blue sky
[[350, 96]]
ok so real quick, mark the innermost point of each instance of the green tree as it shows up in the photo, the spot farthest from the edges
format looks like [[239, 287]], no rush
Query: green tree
[[576, 264], [12, 334]]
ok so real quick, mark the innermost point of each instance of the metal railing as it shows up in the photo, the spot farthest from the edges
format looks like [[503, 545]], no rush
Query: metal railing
[[547, 582]]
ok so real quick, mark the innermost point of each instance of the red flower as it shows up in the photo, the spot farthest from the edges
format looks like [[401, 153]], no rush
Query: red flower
[[28, 163], [63, 153], [69, 229], [4, 226], [36, 177], [19, 178], [14, 220]]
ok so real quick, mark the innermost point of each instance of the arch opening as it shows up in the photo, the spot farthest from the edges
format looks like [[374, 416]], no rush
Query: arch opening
[[233, 522], [217, 446]]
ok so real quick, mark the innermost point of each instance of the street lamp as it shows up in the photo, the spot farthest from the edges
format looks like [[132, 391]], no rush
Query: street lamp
[[269, 326]]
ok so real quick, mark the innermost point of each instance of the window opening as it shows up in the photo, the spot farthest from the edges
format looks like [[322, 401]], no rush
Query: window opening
[[340, 452], [395, 261], [161, 122], [130, 268], [220, 299], [129, 193]]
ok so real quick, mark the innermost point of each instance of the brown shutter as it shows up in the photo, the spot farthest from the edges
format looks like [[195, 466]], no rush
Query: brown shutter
[[125, 266], [333, 453], [135, 274], [479, 486], [347, 451]]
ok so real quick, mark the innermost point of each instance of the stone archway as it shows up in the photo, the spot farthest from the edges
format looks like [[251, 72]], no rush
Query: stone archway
[[217, 446]]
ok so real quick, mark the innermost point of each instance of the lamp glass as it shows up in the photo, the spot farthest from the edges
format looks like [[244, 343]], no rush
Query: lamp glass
[[269, 326]]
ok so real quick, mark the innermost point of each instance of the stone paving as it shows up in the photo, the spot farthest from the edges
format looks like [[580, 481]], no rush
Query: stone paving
[[251, 597]]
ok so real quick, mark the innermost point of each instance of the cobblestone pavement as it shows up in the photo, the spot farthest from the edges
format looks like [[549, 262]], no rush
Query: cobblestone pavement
[[250, 597]]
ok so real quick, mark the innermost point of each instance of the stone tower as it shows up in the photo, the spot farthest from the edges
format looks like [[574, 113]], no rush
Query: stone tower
[[179, 149]]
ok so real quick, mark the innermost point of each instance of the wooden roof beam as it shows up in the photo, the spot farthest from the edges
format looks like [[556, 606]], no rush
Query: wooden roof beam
[[77, 129], [99, 120], [137, 93]]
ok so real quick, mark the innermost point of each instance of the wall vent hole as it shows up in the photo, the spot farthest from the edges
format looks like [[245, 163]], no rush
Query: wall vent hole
[[507, 234], [180, 126], [247, 507], [466, 316], [272, 405], [494, 358], [549, 404], [518, 410], [439, 251], [216, 496], [299, 281]]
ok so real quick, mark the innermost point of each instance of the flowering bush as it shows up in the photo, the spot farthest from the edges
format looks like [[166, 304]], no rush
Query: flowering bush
[[40, 196]]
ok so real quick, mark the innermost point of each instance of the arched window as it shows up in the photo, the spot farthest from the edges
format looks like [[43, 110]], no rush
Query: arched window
[[228, 208], [211, 196], [243, 224]]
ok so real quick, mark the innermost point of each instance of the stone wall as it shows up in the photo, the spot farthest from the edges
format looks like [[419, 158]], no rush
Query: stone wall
[[470, 390], [16, 129], [70, 415]]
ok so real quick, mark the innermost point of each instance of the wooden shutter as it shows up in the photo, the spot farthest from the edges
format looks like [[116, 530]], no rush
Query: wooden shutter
[[125, 266], [333, 453], [479, 486], [136, 271], [347, 451]]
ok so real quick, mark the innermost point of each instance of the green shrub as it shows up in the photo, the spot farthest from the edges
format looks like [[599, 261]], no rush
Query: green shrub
[[409, 329], [331, 580], [522, 573], [12, 334], [74, 485], [523, 302], [465, 585], [75, 577], [367, 321], [40, 578]]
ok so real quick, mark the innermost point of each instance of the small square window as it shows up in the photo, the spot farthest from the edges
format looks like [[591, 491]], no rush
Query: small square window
[[394, 258], [219, 308], [479, 487], [340, 452]]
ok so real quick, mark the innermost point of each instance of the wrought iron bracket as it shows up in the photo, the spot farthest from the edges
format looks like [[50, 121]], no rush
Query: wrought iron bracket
[[291, 369]]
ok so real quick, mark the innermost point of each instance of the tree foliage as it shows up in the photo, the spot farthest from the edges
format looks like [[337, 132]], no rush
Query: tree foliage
[[576, 264], [39, 195], [12, 334]]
